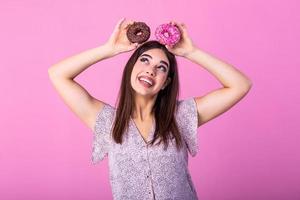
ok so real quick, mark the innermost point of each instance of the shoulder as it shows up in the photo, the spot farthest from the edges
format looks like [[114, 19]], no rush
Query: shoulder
[[106, 109], [187, 120], [186, 106], [104, 117], [186, 112]]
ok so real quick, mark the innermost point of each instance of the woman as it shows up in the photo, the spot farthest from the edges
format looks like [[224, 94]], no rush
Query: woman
[[148, 136]]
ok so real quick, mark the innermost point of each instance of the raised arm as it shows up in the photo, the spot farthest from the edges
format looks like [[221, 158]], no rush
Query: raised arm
[[235, 84], [62, 74]]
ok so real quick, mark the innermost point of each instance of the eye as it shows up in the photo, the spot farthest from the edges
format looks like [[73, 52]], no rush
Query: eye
[[143, 59], [163, 68]]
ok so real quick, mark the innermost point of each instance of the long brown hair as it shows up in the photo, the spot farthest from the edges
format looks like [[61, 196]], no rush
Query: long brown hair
[[165, 104]]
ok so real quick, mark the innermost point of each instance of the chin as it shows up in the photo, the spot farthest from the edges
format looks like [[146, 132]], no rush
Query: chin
[[144, 93]]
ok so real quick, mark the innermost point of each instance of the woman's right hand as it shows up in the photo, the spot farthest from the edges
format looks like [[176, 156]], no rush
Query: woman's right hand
[[118, 41]]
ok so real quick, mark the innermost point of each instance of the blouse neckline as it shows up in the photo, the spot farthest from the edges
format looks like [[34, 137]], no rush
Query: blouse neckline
[[150, 135]]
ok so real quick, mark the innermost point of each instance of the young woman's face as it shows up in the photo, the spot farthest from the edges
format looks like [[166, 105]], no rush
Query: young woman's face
[[150, 72]]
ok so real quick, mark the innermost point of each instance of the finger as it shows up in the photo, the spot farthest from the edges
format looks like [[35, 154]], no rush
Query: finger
[[118, 26], [183, 25], [127, 24], [168, 47], [135, 45], [174, 22], [120, 22], [182, 28]]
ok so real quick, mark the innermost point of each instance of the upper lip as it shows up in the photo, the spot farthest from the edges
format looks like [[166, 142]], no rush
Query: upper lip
[[148, 78]]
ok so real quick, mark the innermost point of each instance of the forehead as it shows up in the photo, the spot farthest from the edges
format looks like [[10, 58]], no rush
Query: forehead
[[157, 54]]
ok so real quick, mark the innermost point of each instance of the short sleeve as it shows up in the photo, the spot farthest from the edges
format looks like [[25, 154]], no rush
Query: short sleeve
[[187, 120], [102, 133]]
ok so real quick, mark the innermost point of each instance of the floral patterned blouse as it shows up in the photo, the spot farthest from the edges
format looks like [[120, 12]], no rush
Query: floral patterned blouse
[[138, 171]]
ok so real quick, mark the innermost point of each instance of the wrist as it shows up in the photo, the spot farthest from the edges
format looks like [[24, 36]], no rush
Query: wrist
[[108, 50], [189, 54]]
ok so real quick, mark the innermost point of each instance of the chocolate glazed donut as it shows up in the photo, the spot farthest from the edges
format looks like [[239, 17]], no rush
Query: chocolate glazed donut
[[138, 32]]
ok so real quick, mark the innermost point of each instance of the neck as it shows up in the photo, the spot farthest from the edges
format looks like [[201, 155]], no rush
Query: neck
[[143, 108]]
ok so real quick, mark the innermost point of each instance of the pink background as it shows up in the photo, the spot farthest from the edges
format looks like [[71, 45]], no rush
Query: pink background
[[249, 152]]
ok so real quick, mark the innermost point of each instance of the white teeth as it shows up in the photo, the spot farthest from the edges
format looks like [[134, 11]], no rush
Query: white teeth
[[148, 81]]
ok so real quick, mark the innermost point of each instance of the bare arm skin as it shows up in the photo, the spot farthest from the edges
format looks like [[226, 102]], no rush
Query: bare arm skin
[[235, 84], [62, 74], [77, 98]]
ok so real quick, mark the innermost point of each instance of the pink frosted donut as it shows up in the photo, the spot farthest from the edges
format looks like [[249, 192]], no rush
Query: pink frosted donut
[[167, 34]]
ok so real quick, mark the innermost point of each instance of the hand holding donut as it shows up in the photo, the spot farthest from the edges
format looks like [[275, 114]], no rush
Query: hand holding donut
[[118, 41], [185, 45]]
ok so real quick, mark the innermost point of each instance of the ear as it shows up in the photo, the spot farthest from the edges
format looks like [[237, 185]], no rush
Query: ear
[[166, 83]]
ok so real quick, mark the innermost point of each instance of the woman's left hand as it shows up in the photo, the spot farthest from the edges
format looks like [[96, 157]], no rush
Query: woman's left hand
[[185, 45]]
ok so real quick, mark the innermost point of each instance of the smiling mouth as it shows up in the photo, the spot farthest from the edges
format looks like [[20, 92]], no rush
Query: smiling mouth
[[146, 82]]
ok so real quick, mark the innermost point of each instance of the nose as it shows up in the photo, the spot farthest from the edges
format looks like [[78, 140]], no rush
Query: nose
[[151, 71]]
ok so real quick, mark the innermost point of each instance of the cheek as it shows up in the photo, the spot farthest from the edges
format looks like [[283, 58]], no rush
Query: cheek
[[161, 81], [135, 70], [133, 77]]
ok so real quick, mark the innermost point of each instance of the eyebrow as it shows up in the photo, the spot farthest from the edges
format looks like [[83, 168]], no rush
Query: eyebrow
[[164, 62]]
